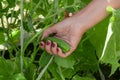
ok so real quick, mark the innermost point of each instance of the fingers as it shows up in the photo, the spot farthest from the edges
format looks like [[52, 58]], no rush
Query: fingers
[[53, 49], [50, 47], [42, 45], [64, 55]]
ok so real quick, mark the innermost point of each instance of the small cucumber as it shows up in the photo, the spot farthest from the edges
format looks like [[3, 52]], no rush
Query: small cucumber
[[62, 44]]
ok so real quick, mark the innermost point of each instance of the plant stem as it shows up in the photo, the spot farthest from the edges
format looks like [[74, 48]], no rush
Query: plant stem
[[36, 7], [60, 73], [21, 35], [44, 69], [34, 53], [36, 35], [101, 74]]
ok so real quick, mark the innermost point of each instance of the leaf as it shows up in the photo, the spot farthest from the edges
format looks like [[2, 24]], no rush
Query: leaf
[[54, 70], [35, 1], [108, 37], [76, 77], [19, 76], [116, 28], [70, 2], [29, 69], [65, 62], [29, 24], [46, 76], [85, 57], [68, 73], [44, 59], [97, 35], [108, 43], [113, 45], [7, 69], [0, 5], [86, 1], [2, 38], [118, 54], [11, 3], [14, 35]]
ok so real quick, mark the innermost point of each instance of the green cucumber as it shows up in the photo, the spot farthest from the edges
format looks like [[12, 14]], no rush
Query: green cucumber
[[62, 44]]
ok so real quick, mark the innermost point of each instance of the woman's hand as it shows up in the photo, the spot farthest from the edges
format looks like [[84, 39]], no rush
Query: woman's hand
[[69, 30], [72, 28]]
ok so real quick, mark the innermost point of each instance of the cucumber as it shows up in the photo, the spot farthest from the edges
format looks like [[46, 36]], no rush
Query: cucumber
[[62, 44]]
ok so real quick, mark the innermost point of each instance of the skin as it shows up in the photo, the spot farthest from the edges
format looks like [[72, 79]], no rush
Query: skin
[[71, 29]]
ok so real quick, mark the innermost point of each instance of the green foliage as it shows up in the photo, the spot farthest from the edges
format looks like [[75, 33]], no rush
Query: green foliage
[[45, 57], [19, 77], [86, 57], [65, 62], [2, 37], [9, 70], [82, 78], [108, 40], [27, 61], [110, 55]]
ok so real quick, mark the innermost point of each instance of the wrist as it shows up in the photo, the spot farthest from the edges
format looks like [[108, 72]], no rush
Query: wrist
[[93, 13], [114, 3]]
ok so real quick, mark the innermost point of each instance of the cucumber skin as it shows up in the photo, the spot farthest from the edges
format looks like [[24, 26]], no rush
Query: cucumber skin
[[60, 43]]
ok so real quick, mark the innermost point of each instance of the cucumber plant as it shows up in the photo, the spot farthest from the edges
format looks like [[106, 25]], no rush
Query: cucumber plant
[[27, 61]]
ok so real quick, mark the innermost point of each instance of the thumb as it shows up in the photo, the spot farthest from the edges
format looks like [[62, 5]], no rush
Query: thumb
[[48, 31]]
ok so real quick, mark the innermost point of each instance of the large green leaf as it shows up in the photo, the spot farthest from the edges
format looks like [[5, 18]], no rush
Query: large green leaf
[[85, 57], [7, 69], [97, 35], [113, 45], [116, 28], [106, 41]]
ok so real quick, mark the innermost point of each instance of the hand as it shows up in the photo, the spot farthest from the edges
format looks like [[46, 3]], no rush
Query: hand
[[72, 28], [69, 30]]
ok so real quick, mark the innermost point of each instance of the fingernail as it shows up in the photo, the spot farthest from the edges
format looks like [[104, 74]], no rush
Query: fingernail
[[57, 50], [41, 44], [53, 45], [47, 43]]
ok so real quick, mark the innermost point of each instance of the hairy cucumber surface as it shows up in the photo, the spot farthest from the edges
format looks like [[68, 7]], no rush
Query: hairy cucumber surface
[[62, 44]]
